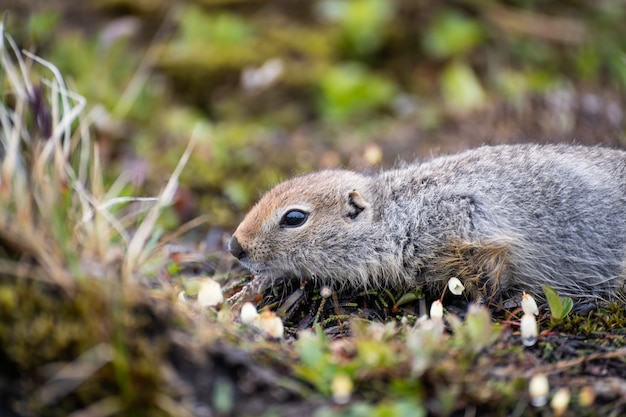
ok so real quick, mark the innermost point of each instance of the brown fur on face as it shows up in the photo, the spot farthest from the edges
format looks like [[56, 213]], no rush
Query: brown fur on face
[[334, 201]]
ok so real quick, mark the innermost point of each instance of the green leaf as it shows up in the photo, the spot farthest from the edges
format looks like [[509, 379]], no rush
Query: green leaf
[[461, 89], [568, 304], [223, 28], [452, 34], [223, 396], [312, 349], [560, 307], [554, 301], [362, 22], [408, 298], [42, 24], [351, 90], [480, 329]]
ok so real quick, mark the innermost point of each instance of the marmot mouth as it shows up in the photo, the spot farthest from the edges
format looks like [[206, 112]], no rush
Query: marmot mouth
[[256, 269], [270, 273]]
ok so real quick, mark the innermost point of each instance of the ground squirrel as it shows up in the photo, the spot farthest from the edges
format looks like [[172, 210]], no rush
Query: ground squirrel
[[501, 219]]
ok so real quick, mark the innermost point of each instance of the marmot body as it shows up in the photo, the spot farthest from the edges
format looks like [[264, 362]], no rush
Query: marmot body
[[499, 218]]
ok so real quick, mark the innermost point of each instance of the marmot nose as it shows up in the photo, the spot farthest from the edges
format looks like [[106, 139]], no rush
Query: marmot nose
[[235, 248]]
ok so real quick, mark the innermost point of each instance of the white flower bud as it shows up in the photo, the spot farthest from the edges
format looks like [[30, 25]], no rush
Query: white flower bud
[[560, 401], [528, 327], [341, 388], [255, 79], [181, 297], [455, 286], [436, 310], [373, 154], [587, 396], [248, 313], [529, 305], [270, 324], [326, 292], [539, 388], [210, 293]]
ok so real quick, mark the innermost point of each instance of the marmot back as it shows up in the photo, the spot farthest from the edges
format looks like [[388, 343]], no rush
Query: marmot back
[[501, 219]]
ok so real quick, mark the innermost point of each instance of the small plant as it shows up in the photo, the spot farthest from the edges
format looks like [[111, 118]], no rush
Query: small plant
[[71, 253], [351, 90], [560, 307], [361, 22], [474, 334]]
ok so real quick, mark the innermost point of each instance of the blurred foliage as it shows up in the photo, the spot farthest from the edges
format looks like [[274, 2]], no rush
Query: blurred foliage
[[274, 83], [348, 91], [224, 29], [40, 25], [79, 336], [460, 88], [452, 34], [404, 356], [362, 22]]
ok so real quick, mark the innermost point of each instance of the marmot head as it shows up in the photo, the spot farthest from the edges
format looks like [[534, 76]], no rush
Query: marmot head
[[314, 226]]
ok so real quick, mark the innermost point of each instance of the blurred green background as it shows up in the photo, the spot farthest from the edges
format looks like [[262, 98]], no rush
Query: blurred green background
[[276, 88]]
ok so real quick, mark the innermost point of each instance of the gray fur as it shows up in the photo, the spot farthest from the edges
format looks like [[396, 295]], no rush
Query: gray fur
[[502, 219]]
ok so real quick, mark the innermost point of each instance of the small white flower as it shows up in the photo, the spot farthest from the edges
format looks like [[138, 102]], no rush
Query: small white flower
[[436, 310], [373, 154], [248, 313], [539, 388], [270, 324], [181, 297], [210, 293], [560, 401], [256, 79], [455, 286], [341, 388], [587, 396], [529, 305], [326, 292], [528, 327]]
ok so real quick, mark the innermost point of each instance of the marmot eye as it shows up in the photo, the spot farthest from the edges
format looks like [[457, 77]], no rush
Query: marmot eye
[[294, 218]]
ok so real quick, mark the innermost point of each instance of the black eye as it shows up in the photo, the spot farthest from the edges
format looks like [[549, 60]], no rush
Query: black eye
[[294, 218]]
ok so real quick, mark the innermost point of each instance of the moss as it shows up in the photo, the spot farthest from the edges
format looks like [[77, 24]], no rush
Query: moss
[[44, 329], [598, 323]]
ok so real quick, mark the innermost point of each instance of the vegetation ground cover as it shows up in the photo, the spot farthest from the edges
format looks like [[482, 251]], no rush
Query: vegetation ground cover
[[100, 291]]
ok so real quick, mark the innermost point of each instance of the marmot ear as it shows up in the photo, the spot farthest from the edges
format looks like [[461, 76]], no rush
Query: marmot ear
[[356, 204]]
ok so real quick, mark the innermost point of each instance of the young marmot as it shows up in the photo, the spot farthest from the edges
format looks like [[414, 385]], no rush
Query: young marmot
[[501, 219]]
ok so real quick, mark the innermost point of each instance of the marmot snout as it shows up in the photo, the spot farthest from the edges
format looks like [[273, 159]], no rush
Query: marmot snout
[[235, 249], [499, 218]]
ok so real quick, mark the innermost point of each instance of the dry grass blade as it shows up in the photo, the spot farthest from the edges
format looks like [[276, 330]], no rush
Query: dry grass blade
[[74, 373], [137, 250], [55, 207], [23, 193]]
